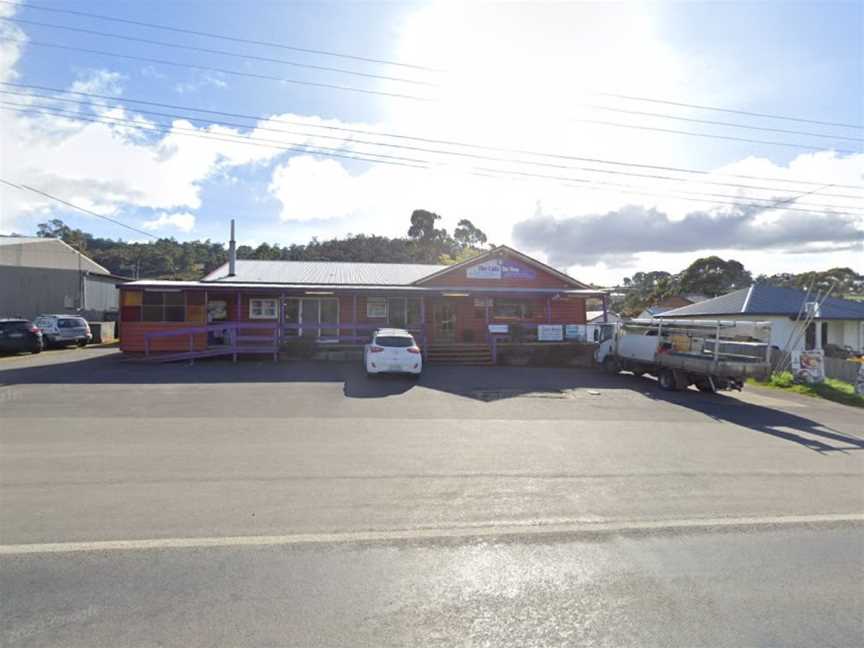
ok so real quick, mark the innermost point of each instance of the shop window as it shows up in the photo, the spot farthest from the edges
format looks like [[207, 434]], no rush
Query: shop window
[[163, 306], [263, 308], [376, 308], [512, 309]]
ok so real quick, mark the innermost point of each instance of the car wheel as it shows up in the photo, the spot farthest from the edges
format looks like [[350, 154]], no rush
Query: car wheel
[[81, 343], [36, 349], [667, 380], [610, 365]]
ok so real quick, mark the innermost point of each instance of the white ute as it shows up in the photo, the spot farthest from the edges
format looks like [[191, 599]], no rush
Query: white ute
[[392, 351], [711, 354]]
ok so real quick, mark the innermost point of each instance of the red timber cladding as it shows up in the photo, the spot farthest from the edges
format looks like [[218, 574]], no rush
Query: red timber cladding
[[132, 329], [569, 310], [525, 276]]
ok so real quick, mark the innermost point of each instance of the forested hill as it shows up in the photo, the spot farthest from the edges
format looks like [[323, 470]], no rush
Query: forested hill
[[167, 258], [425, 243]]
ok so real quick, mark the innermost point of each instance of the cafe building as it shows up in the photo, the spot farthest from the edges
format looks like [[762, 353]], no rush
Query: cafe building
[[456, 312]]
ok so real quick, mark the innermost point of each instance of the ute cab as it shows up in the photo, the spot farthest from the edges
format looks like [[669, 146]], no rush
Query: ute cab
[[392, 351]]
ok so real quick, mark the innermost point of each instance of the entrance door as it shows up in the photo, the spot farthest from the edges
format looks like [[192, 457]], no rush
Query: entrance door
[[444, 321]]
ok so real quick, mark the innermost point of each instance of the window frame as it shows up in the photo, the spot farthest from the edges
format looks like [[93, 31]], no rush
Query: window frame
[[145, 307], [378, 302], [526, 309], [262, 315]]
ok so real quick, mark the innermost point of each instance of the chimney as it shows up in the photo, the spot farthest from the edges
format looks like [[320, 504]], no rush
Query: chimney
[[232, 252]]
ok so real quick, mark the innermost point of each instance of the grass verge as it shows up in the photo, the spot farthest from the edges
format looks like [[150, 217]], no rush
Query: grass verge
[[833, 390]]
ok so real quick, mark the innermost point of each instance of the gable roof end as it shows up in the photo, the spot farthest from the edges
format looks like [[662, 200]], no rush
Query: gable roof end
[[498, 251]]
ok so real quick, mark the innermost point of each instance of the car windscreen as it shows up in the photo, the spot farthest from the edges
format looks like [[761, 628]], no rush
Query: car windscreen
[[15, 326], [397, 342], [71, 323]]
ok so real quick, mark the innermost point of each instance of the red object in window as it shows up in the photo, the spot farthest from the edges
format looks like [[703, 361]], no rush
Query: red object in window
[[375, 349], [130, 314]]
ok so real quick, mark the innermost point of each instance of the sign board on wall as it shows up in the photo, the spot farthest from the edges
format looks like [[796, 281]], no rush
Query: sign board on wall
[[575, 332], [550, 332], [482, 302], [500, 269], [499, 328]]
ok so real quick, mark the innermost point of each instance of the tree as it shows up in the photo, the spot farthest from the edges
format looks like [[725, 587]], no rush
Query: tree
[[423, 225], [469, 236], [712, 276]]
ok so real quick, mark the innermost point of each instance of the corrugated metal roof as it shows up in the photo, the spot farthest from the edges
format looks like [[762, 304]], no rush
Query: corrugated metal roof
[[764, 299], [18, 240], [37, 252], [324, 273]]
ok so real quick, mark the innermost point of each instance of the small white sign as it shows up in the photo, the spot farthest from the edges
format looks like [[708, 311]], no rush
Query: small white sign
[[499, 328], [550, 332]]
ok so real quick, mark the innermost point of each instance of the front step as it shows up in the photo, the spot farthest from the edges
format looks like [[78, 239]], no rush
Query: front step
[[459, 354]]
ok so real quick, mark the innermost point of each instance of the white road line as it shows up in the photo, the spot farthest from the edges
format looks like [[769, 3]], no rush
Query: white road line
[[574, 529]]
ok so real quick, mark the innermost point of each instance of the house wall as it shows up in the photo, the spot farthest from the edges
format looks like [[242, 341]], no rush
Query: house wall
[[132, 331]]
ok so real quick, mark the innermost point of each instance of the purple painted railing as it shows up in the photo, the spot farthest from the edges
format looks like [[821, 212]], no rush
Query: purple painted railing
[[232, 343]]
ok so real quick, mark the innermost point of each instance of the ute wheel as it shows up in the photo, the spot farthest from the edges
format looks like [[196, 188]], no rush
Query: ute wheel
[[610, 365], [706, 387], [667, 381]]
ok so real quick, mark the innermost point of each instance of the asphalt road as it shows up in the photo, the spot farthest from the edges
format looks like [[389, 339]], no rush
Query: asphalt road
[[304, 504]]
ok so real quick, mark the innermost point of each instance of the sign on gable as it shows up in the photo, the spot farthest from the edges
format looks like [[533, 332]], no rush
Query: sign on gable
[[498, 269]]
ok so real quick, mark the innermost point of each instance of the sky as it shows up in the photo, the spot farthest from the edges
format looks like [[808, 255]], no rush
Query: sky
[[530, 119]]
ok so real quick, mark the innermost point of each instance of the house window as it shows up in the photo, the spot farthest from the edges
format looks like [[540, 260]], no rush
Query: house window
[[159, 306], [376, 308], [263, 309], [512, 309]]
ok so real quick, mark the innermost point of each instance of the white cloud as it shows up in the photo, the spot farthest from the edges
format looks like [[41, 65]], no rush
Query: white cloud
[[182, 221], [99, 81], [201, 80]]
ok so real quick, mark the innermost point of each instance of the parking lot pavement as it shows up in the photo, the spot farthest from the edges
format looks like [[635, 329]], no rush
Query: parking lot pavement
[[98, 449]]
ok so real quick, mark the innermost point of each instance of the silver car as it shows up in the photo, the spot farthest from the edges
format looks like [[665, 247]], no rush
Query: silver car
[[63, 330]]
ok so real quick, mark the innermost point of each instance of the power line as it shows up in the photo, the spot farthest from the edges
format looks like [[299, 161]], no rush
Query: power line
[[641, 113], [258, 118], [221, 52], [239, 139], [253, 141], [45, 194], [207, 68], [267, 77], [420, 67], [730, 110], [576, 183], [235, 39], [460, 154]]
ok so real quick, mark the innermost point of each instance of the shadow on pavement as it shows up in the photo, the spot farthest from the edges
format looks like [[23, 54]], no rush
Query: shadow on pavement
[[478, 383]]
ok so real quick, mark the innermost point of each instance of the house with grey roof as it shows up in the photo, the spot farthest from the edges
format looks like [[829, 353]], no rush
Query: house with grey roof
[[832, 320]]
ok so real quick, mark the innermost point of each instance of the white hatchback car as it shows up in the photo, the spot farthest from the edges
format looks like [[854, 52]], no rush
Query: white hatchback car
[[61, 330], [392, 351]]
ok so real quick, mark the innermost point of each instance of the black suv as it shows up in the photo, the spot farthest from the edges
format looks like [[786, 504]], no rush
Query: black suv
[[19, 335]]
